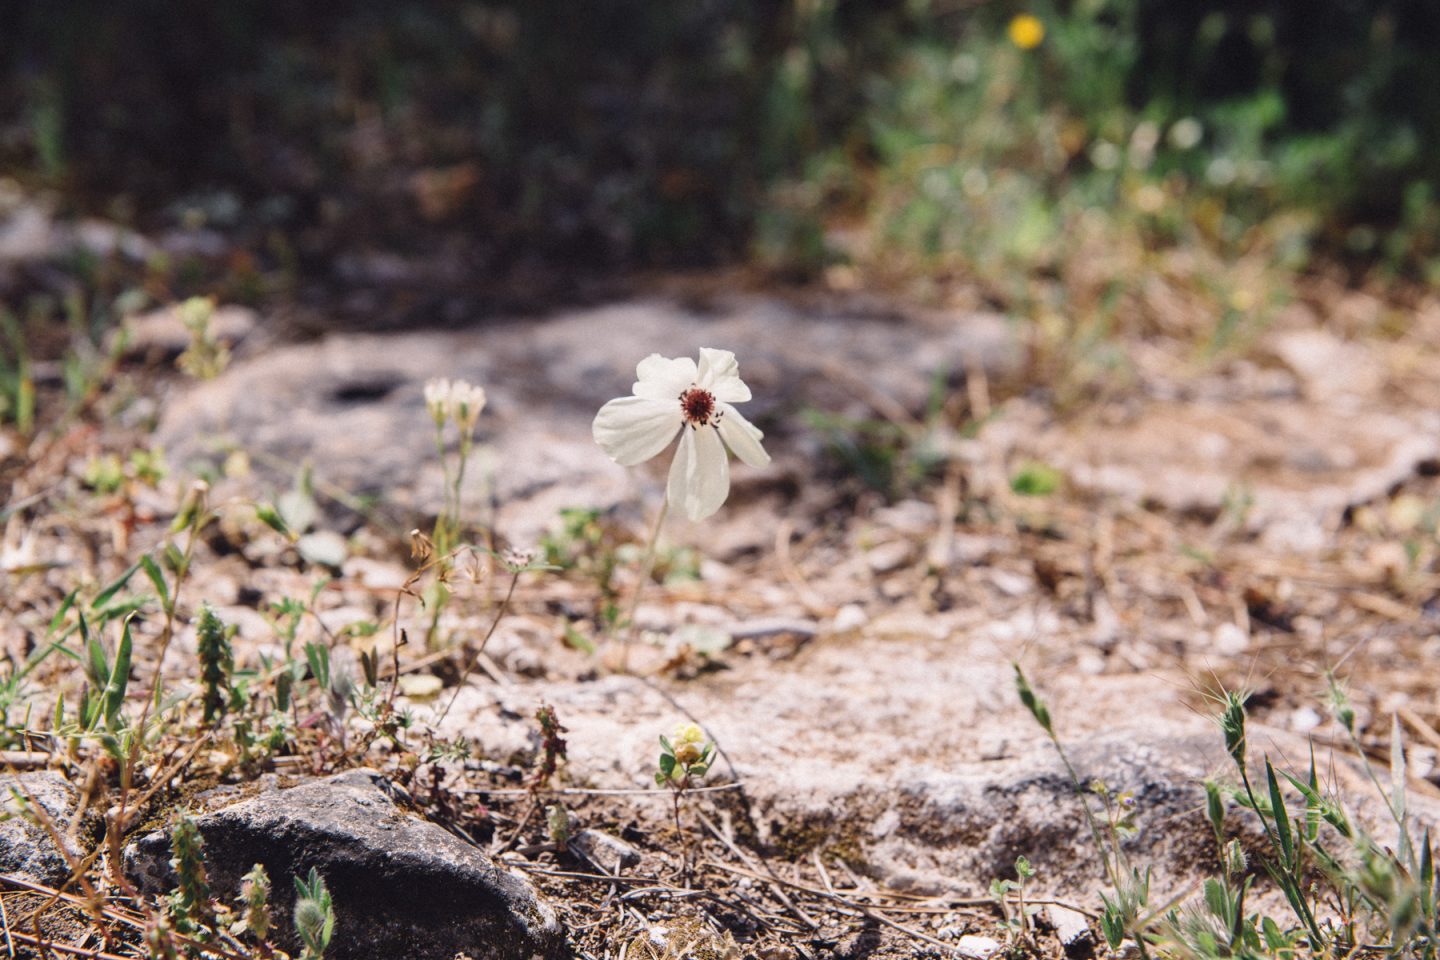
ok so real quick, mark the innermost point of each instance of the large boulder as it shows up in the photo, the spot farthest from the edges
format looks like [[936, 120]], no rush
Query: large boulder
[[402, 886]]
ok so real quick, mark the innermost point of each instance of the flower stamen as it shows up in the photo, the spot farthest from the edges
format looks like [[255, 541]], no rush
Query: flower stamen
[[697, 406]]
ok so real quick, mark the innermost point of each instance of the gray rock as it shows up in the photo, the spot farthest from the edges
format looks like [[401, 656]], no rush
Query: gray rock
[[353, 404], [610, 854], [908, 753], [27, 849], [402, 886]]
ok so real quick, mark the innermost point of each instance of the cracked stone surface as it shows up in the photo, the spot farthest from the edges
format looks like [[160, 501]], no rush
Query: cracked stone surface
[[907, 755]]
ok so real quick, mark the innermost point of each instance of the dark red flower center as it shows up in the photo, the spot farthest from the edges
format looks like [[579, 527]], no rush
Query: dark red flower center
[[697, 406]]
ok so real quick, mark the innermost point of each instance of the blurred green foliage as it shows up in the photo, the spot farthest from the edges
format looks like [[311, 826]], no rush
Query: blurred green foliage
[[640, 132]]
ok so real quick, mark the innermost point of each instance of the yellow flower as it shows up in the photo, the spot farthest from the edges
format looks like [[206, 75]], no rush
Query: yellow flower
[[1026, 31], [688, 742]]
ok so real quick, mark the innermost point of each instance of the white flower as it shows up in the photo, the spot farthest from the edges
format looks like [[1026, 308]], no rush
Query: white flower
[[466, 402], [457, 400], [669, 396], [437, 400]]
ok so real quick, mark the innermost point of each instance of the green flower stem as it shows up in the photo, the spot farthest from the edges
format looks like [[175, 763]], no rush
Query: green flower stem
[[646, 566], [676, 793], [442, 522], [1112, 869], [465, 443]]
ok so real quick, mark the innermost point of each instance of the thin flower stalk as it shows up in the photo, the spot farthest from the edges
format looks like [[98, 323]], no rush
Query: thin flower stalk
[[694, 400]]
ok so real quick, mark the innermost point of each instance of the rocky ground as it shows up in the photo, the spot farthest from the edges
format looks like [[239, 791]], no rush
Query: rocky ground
[[844, 629]]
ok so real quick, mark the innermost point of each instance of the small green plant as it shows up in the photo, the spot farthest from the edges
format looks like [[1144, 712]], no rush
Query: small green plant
[[314, 915], [586, 544], [1035, 479], [160, 939], [1017, 923], [1347, 891], [891, 456], [557, 825], [1123, 915], [685, 758], [1386, 891], [552, 746], [13, 686], [190, 903], [104, 473], [100, 705], [217, 663], [255, 903], [17, 379], [205, 358], [70, 332]]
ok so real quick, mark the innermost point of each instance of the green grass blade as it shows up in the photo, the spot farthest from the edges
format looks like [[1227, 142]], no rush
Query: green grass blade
[[157, 579], [57, 621], [1328, 811], [98, 667], [118, 584], [1237, 930], [119, 679], [1282, 818], [1313, 805], [39, 657], [318, 658], [1397, 768], [1428, 891]]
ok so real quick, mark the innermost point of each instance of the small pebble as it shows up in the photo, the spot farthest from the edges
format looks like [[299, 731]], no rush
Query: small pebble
[[977, 948], [1012, 584], [421, 686], [889, 557], [1230, 639], [1305, 719], [852, 616], [914, 518]]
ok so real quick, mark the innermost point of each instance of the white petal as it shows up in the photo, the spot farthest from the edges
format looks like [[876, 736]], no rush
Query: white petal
[[631, 430], [660, 378], [700, 474], [719, 372], [742, 437]]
